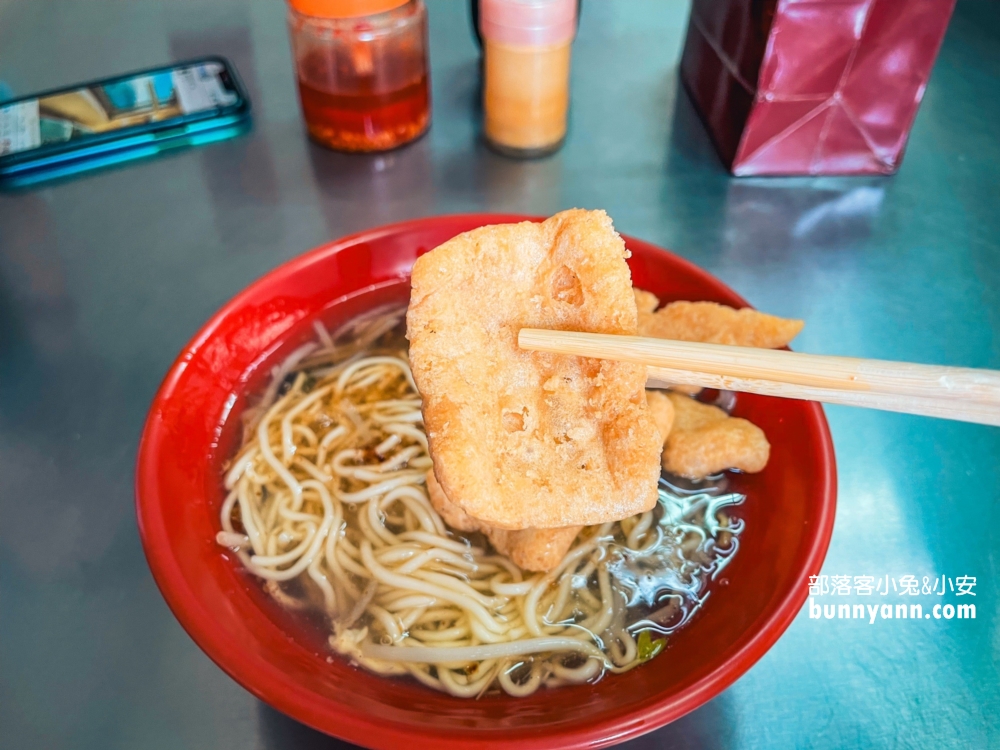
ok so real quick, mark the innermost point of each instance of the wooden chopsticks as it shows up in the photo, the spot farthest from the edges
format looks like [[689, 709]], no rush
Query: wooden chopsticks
[[960, 393]]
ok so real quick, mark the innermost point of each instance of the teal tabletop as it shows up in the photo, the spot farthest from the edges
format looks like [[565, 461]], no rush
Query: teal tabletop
[[104, 278]]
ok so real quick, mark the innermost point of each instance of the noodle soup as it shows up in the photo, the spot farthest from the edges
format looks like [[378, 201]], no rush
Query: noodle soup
[[326, 503]]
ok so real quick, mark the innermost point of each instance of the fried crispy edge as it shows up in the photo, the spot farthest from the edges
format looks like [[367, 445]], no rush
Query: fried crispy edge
[[662, 409], [702, 441], [529, 549], [712, 323], [645, 302], [450, 513]]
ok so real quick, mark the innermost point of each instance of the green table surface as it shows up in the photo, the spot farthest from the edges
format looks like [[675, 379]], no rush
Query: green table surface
[[104, 278]]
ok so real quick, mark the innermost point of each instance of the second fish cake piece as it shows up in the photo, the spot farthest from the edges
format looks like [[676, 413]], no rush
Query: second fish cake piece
[[705, 440], [712, 323]]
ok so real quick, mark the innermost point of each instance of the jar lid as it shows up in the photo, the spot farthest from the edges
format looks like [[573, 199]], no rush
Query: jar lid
[[527, 22], [344, 8]]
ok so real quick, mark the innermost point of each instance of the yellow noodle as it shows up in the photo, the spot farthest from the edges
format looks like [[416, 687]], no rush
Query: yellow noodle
[[329, 489]]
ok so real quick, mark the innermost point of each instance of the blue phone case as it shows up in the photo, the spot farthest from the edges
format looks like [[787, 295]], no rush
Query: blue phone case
[[128, 144]]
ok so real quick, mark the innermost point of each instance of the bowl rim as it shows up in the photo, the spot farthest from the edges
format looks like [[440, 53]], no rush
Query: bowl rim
[[271, 686]]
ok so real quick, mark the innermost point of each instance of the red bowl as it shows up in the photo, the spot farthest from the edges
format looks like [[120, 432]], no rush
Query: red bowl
[[193, 426]]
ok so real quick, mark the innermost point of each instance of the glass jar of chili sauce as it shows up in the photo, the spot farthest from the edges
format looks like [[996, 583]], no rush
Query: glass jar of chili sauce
[[362, 71]]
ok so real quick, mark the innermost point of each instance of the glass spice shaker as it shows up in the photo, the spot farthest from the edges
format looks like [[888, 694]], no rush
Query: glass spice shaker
[[526, 64], [362, 71]]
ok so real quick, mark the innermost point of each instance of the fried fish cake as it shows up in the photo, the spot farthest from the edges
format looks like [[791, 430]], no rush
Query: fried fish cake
[[529, 549], [712, 323], [528, 439], [645, 302], [694, 415], [662, 409], [705, 440], [450, 513], [534, 549]]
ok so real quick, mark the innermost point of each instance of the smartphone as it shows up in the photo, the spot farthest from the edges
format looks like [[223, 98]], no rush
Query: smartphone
[[102, 123]]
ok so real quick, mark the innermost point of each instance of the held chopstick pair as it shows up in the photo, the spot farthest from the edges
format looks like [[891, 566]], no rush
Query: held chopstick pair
[[960, 393]]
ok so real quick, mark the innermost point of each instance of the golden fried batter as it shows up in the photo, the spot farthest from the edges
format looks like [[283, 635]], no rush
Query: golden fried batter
[[705, 440], [645, 302], [529, 549], [694, 415], [534, 549], [528, 439], [450, 513], [662, 409], [711, 323]]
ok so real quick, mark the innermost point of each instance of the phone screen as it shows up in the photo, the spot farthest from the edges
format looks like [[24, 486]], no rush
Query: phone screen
[[104, 108]]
